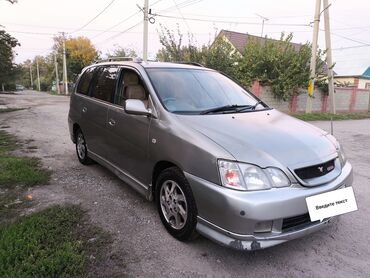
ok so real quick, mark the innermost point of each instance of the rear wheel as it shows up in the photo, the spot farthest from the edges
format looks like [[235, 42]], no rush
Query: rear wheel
[[176, 204], [81, 148]]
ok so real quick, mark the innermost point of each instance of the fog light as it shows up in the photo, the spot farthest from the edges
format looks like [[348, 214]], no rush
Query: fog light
[[263, 227]]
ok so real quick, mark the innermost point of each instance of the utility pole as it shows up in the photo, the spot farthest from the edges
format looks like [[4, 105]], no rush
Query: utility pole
[[65, 79], [38, 74], [329, 61], [311, 85], [145, 33], [31, 76], [56, 74]]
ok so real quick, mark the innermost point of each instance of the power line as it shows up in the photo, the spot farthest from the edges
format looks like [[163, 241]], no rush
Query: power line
[[115, 25], [31, 33], [95, 17], [120, 33], [350, 47], [183, 18], [183, 4], [349, 39], [232, 22], [241, 17], [122, 21]]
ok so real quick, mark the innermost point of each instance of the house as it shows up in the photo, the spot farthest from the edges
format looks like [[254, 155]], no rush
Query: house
[[239, 40], [358, 81]]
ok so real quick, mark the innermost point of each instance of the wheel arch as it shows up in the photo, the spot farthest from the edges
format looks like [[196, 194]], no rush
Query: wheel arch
[[75, 128], [158, 168]]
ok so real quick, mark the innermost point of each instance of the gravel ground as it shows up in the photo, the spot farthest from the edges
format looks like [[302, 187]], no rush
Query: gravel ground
[[141, 245]]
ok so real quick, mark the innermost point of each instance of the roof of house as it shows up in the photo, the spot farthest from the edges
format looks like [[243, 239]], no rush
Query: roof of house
[[239, 40], [366, 72]]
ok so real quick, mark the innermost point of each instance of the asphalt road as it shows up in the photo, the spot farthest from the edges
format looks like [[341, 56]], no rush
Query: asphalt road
[[142, 247]]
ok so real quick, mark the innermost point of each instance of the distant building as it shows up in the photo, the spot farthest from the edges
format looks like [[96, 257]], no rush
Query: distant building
[[358, 81], [239, 40]]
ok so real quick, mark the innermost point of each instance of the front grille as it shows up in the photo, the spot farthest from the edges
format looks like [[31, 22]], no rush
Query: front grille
[[315, 171], [296, 221]]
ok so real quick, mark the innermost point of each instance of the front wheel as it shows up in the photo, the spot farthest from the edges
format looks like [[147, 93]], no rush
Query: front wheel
[[81, 148], [176, 204]]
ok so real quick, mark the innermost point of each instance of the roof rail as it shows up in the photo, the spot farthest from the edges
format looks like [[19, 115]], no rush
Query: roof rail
[[118, 58], [192, 63]]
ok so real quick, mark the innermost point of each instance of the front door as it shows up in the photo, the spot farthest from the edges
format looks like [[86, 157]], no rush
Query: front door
[[128, 134]]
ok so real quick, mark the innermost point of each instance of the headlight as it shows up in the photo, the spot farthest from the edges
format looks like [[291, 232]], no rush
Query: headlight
[[243, 176], [341, 154]]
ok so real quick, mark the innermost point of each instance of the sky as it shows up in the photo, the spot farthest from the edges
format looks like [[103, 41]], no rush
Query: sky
[[34, 22]]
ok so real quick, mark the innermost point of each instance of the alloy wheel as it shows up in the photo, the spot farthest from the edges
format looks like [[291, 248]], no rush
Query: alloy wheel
[[173, 204]]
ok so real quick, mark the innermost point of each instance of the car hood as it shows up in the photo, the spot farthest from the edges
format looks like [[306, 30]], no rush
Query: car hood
[[266, 138]]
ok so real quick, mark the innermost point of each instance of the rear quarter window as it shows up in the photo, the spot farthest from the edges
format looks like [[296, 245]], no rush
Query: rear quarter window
[[85, 80]]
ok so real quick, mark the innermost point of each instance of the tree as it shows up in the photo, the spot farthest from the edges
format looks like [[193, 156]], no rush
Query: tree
[[277, 64], [7, 67], [122, 52], [222, 57], [80, 53], [172, 50], [219, 55]]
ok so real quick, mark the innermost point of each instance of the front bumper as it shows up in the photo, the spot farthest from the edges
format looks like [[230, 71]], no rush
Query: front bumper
[[229, 217]]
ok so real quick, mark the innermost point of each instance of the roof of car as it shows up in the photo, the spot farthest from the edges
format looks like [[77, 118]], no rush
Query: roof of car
[[153, 64]]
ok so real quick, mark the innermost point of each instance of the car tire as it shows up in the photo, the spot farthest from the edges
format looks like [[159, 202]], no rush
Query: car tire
[[81, 149], [176, 204]]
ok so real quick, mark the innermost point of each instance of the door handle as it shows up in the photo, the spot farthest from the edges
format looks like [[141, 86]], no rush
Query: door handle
[[112, 122], [84, 109]]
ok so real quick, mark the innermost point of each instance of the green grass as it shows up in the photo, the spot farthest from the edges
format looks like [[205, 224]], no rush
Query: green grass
[[51, 243], [14, 170], [7, 143], [5, 110], [16, 175], [25, 171], [328, 116], [56, 242]]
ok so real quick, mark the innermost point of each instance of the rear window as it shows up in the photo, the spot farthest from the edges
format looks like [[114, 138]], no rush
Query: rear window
[[105, 83], [83, 85]]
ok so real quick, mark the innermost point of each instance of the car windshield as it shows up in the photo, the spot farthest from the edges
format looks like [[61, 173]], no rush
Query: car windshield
[[193, 91]]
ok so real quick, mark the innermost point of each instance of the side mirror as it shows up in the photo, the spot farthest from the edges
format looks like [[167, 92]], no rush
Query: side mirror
[[136, 107]]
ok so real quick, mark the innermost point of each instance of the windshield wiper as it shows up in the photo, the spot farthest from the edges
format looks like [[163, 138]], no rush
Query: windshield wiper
[[224, 108], [251, 107]]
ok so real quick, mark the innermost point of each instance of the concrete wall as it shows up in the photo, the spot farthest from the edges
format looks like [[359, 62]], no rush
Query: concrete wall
[[346, 100]]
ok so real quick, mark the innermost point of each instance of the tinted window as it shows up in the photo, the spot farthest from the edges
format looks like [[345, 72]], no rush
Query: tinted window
[[105, 83], [84, 83]]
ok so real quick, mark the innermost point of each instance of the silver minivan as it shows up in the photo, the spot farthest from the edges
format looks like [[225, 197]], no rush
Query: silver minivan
[[214, 158]]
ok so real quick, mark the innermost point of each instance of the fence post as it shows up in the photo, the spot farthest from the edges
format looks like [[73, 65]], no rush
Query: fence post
[[256, 88], [352, 101], [293, 104], [324, 102]]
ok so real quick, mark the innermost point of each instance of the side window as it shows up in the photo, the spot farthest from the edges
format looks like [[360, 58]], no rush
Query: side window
[[84, 83], [105, 83], [131, 87]]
